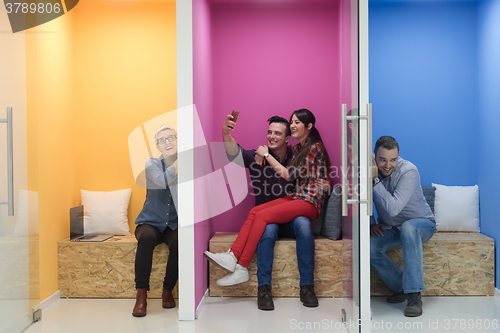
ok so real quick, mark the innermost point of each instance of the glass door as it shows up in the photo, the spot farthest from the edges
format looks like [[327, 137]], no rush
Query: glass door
[[356, 160], [18, 205], [350, 213], [350, 161]]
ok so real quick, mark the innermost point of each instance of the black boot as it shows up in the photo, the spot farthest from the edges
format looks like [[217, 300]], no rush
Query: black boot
[[397, 298], [308, 296], [414, 305], [265, 299]]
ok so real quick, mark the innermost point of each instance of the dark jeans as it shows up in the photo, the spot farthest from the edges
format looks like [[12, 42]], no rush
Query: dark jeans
[[300, 229], [148, 237]]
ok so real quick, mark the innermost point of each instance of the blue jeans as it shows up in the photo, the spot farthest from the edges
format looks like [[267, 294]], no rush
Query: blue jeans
[[412, 234], [300, 229]]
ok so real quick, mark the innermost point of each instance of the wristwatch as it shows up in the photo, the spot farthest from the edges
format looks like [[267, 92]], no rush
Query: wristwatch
[[266, 155], [376, 180]]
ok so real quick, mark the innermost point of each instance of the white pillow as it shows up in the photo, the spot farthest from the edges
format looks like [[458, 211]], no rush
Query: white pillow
[[106, 212], [456, 208]]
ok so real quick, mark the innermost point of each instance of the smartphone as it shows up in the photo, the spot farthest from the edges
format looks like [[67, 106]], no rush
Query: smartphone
[[235, 115]]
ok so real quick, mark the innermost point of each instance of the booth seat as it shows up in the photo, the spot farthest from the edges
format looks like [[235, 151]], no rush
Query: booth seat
[[106, 269], [327, 272], [455, 263]]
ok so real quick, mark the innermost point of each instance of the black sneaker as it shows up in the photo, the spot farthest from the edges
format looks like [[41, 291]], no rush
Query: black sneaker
[[414, 305], [265, 298], [308, 296], [397, 298]]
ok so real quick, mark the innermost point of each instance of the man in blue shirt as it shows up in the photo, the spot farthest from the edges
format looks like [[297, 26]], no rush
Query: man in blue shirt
[[404, 218], [268, 186], [157, 222]]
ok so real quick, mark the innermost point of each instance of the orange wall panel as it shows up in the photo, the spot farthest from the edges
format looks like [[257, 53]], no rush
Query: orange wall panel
[[52, 140], [125, 74], [93, 75]]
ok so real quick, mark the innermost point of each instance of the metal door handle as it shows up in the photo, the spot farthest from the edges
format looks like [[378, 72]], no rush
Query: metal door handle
[[10, 162], [345, 200], [369, 177], [344, 160]]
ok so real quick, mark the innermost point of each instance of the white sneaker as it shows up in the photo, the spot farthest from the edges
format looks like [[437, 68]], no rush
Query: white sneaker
[[240, 275], [226, 260]]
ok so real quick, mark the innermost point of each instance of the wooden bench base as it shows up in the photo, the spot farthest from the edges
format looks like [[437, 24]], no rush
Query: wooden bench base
[[454, 264], [327, 272], [106, 269]]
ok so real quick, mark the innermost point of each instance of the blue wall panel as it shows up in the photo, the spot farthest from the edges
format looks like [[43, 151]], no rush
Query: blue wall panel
[[489, 125], [423, 85], [435, 85]]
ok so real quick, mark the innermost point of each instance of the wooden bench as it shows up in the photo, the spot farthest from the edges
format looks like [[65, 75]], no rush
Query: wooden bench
[[327, 272], [106, 269], [455, 263]]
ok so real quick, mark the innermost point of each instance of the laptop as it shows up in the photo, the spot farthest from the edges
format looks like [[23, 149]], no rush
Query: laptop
[[76, 221]]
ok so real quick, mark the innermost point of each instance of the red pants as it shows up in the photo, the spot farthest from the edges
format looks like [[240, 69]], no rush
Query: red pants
[[281, 210]]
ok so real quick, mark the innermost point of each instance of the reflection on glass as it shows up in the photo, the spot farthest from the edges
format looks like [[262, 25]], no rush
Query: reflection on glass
[[19, 275]]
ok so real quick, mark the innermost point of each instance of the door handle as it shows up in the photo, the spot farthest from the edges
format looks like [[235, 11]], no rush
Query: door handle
[[369, 178], [10, 162], [344, 160], [345, 200]]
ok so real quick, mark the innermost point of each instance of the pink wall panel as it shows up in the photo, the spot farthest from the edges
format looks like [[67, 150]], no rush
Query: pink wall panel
[[271, 59], [348, 48], [265, 59]]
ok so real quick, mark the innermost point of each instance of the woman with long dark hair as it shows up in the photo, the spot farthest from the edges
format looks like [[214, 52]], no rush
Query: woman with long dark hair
[[310, 163]]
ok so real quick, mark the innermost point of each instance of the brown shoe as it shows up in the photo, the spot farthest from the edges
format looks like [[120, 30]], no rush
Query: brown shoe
[[167, 300], [140, 303]]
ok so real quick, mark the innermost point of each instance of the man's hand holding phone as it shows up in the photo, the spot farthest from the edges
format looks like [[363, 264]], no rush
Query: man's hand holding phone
[[234, 118], [230, 122]]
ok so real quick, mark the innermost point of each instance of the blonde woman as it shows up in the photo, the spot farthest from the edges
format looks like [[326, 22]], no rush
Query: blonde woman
[[157, 222]]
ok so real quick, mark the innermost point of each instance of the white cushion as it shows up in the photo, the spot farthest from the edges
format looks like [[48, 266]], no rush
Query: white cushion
[[106, 212], [456, 208]]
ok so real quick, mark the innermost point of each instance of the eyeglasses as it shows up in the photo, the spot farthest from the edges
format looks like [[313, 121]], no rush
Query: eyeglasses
[[169, 138]]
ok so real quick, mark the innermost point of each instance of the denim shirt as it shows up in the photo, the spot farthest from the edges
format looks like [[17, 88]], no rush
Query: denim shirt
[[399, 197], [159, 209]]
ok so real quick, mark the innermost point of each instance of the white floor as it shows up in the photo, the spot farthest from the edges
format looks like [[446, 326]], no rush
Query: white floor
[[239, 315]]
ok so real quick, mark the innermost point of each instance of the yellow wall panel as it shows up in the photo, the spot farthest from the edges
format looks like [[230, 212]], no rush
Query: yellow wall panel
[[52, 137], [94, 75], [125, 74]]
